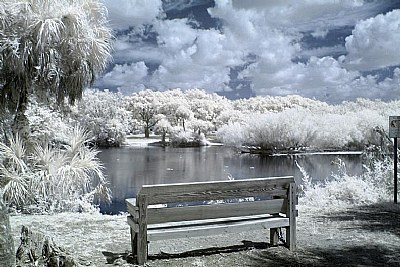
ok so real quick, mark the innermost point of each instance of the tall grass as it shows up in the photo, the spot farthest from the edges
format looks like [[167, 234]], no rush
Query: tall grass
[[68, 177], [343, 190]]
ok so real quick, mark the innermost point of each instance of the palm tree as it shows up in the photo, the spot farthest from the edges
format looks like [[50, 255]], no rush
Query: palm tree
[[51, 49], [7, 256]]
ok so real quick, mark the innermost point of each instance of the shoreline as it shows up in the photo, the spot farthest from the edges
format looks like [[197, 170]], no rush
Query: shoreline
[[140, 141]]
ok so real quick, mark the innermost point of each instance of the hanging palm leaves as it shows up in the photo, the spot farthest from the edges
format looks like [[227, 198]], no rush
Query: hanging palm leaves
[[50, 48]]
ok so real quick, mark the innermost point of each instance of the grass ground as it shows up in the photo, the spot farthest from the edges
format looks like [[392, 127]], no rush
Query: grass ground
[[352, 236]]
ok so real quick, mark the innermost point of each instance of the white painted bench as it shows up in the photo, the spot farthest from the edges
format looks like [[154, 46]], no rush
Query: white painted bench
[[219, 207]]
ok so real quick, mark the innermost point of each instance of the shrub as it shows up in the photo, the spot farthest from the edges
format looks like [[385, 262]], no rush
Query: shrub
[[188, 139], [103, 115], [64, 178], [299, 127]]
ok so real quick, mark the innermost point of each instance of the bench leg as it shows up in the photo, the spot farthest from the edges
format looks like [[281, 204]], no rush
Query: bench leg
[[134, 242], [291, 238], [142, 230], [292, 214], [141, 247], [273, 239]]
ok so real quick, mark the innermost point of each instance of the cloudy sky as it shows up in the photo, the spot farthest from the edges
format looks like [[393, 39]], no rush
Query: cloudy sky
[[330, 50]]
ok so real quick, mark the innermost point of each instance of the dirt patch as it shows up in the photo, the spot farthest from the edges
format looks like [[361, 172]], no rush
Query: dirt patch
[[357, 236]]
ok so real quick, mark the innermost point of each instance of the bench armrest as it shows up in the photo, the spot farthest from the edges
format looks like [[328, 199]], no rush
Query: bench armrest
[[132, 207], [131, 201]]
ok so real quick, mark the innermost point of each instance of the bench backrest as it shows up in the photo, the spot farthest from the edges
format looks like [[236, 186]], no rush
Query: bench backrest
[[271, 193]]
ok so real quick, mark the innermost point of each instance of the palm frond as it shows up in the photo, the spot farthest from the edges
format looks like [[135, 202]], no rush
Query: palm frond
[[103, 192], [41, 155], [77, 140], [14, 153], [16, 190], [42, 185], [59, 160]]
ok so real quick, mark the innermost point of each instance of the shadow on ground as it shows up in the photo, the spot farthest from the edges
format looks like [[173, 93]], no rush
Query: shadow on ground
[[383, 217], [380, 250], [246, 245], [354, 256]]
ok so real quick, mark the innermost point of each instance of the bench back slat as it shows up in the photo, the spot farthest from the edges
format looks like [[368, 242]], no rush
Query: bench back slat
[[214, 211], [207, 191]]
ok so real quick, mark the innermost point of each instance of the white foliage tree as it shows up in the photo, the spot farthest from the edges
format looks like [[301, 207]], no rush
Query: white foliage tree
[[176, 108], [200, 126], [145, 106], [163, 126], [47, 125], [206, 107], [263, 104], [102, 113]]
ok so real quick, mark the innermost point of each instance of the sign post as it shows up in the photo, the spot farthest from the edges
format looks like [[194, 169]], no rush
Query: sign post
[[394, 132]]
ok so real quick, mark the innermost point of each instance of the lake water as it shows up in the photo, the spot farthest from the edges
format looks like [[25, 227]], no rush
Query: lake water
[[128, 168]]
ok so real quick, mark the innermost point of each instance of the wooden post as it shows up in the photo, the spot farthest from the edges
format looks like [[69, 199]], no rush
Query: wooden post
[[291, 213], [395, 169], [142, 233], [394, 132]]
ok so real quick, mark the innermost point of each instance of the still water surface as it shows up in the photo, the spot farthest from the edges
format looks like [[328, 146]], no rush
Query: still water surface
[[128, 168]]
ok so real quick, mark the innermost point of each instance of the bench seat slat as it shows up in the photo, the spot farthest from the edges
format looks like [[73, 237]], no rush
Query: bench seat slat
[[212, 221], [213, 211], [193, 223], [216, 227]]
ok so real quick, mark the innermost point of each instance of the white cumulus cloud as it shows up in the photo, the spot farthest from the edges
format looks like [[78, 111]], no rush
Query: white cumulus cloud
[[127, 13], [375, 43], [262, 41], [125, 76]]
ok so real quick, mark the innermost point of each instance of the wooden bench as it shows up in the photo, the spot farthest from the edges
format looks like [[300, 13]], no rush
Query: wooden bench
[[217, 207]]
